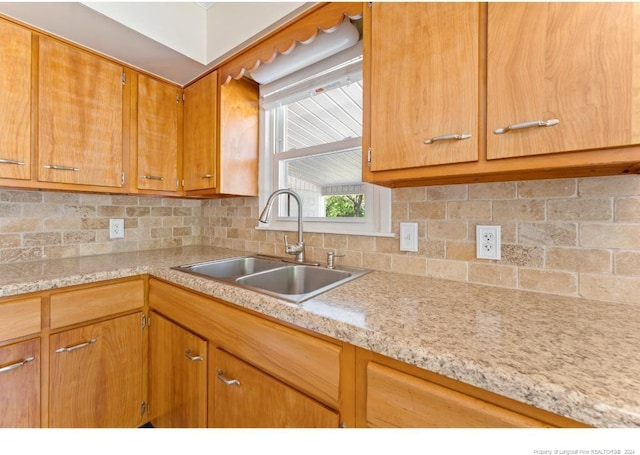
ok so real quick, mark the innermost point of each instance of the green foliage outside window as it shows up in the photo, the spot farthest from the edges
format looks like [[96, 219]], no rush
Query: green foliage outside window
[[347, 205]]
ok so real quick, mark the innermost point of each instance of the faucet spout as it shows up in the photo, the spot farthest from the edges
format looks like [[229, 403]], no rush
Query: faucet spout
[[296, 248]]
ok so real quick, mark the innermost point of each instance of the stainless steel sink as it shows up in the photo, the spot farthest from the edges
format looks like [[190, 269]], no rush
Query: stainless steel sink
[[232, 267], [273, 276], [296, 282]]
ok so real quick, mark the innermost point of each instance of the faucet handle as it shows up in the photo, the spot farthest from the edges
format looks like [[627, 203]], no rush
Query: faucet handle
[[331, 255]]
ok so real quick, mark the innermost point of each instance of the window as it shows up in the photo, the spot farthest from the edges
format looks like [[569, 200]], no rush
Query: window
[[311, 134]]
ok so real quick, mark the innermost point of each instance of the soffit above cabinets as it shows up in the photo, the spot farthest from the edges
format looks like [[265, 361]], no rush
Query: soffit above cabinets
[[177, 41]]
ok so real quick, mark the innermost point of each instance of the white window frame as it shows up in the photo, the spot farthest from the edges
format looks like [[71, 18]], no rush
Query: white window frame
[[377, 221]]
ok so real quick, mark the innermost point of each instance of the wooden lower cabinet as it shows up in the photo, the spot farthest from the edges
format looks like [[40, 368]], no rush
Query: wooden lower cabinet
[[96, 375], [393, 394], [178, 378], [245, 397], [20, 385]]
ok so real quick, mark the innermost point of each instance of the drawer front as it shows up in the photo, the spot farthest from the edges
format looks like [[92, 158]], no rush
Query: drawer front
[[85, 304], [20, 318], [397, 399], [303, 361]]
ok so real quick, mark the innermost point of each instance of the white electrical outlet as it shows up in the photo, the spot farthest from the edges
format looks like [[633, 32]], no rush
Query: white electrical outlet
[[488, 242], [116, 228]]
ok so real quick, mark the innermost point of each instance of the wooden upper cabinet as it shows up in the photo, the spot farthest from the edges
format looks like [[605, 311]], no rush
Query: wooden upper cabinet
[[423, 83], [158, 117], [571, 62], [15, 110], [80, 108], [200, 133]]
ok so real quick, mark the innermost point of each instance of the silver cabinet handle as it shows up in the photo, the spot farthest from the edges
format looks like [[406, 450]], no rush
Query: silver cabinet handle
[[520, 126], [448, 137], [55, 167], [151, 177], [207, 176], [17, 163], [77, 346], [226, 380], [193, 358], [13, 366]]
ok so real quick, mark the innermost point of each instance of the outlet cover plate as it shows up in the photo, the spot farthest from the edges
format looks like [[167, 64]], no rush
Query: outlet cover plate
[[116, 228], [488, 240]]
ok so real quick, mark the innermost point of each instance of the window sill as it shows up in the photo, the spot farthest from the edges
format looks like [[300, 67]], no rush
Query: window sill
[[320, 230]]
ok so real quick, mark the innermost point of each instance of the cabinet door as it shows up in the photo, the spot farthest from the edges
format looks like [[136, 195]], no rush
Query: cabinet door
[[96, 376], [15, 111], [200, 133], [20, 385], [158, 109], [245, 397], [571, 62], [177, 376], [424, 84], [80, 117]]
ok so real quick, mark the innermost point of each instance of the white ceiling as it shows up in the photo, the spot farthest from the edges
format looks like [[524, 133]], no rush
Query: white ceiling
[[175, 40]]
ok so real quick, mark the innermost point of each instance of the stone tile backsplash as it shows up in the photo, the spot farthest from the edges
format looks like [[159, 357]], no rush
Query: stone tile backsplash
[[576, 237], [38, 225]]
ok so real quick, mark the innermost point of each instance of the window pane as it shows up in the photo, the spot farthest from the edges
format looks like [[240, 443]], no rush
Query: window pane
[[324, 117], [325, 178]]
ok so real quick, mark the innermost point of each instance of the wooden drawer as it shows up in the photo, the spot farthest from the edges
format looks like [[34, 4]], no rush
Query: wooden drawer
[[303, 361], [398, 399], [19, 318], [95, 302]]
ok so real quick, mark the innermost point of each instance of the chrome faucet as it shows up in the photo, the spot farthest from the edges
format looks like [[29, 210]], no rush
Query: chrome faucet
[[296, 248]]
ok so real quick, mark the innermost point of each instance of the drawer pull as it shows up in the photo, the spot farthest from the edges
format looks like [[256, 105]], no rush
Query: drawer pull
[[207, 176], [56, 167], [151, 177], [77, 346], [227, 381], [521, 126], [448, 137], [193, 358], [13, 366], [17, 163]]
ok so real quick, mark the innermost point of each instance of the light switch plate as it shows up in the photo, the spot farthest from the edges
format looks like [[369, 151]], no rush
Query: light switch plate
[[409, 237]]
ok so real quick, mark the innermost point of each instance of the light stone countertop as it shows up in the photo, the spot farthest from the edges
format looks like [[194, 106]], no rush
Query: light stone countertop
[[574, 357]]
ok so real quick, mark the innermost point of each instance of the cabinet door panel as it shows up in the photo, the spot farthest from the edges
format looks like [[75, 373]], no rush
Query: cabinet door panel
[[20, 385], [97, 384], [200, 133], [157, 135], [259, 401], [424, 83], [177, 383], [573, 62], [15, 110], [80, 117]]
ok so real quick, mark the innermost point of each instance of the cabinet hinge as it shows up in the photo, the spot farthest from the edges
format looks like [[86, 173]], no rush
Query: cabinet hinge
[[182, 183], [370, 4], [183, 98], [369, 157], [143, 322], [143, 408], [122, 179], [124, 78], [177, 98]]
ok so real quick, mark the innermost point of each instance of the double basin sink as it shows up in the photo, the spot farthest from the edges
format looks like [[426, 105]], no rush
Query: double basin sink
[[274, 276]]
